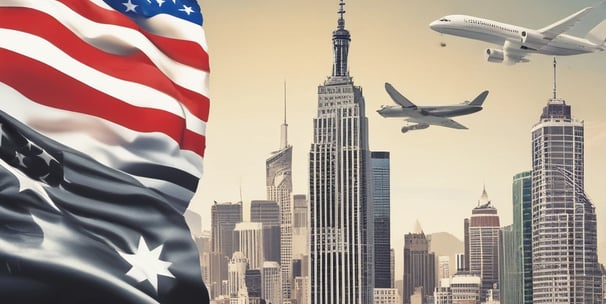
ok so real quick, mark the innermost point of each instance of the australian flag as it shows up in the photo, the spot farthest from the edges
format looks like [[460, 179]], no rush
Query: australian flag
[[75, 231]]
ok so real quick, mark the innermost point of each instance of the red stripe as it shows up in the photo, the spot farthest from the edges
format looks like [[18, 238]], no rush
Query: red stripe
[[184, 51], [45, 85], [135, 67]]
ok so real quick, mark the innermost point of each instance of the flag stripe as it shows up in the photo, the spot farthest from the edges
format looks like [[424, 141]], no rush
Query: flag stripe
[[158, 172], [175, 47], [67, 94], [95, 136], [123, 41], [140, 69]]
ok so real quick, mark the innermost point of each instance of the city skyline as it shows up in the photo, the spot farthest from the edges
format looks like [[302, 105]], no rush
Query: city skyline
[[444, 168]]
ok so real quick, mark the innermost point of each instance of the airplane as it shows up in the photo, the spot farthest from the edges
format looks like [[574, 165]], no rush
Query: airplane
[[422, 117], [517, 41]]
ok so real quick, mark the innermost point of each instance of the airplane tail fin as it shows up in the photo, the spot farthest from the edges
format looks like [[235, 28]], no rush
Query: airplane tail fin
[[597, 34], [478, 101]]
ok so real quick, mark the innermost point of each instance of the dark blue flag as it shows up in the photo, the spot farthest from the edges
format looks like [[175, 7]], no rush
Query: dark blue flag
[[75, 231]]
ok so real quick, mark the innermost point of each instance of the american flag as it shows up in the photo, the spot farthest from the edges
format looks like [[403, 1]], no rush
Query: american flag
[[103, 111], [124, 81]]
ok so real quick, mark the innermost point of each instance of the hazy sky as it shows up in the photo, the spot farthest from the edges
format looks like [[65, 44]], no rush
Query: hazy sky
[[437, 174]]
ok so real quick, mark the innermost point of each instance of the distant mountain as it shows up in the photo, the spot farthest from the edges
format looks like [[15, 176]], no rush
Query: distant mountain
[[446, 244]]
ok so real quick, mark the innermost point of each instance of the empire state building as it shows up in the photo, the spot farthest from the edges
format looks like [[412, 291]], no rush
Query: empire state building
[[341, 265]]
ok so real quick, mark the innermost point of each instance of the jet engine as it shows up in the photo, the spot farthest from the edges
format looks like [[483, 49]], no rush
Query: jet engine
[[420, 126], [531, 40], [494, 55]]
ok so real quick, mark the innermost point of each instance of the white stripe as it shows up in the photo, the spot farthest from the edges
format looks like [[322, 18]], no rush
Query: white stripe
[[111, 144], [118, 40], [168, 26], [130, 92]]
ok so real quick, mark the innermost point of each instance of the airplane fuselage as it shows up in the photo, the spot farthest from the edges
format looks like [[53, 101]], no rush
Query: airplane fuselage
[[441, 111], [498, 33]]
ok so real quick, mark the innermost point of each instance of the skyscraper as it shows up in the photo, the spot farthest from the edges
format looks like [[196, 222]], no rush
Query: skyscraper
[[272, 285], [236, 273], [522, 229], [564, 229], [340, 228], [510, 262], [379, 164], [419, 266], [268, 214], [482, 237], [223, 221], [248, 237], [279, 188]]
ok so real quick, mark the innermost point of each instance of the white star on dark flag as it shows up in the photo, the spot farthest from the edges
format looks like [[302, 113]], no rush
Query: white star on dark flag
[[146, 264]]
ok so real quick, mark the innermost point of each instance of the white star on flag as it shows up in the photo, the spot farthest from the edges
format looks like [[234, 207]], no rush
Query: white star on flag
[[146, 264], [130, 7], [26, 183], [187, 9]]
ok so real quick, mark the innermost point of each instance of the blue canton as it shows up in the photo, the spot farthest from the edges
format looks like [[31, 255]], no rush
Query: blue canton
[[185, 9]]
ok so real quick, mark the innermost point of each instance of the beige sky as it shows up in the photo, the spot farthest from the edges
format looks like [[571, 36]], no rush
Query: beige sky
[[437, 174]]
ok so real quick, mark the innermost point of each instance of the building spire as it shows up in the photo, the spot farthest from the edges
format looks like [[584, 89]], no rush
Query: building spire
[[341, 22], [340, 41], [284, 129], [554, 78], [483, 201]]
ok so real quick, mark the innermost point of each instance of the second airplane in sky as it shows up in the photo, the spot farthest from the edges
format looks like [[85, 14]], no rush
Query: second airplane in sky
[[517, 41]]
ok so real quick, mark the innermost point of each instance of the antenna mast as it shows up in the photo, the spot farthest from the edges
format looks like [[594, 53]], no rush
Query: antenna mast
[[284, 129], [554, 78]]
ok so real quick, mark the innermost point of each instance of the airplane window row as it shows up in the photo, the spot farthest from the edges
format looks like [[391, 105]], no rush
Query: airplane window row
[[491, 25]]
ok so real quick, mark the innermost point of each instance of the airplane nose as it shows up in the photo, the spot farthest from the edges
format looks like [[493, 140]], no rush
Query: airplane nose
[[434, 25]]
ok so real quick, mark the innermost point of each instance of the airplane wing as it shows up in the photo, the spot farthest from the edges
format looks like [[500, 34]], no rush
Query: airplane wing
[[398, 98], [551, 31], [513, 52], [436, 121]]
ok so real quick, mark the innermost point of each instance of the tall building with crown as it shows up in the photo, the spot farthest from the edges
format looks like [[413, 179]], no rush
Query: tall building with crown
[[565, 268], [482, 244], [341, 265], [279, 188]]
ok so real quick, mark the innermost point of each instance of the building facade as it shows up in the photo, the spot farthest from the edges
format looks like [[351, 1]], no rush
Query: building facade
[[522, 230], [386, 296], [236, 270], [300, 230], [279, 189], [419, 266], [224, 218], [380, 198], [248, 237], [341, 266], [272, 282], [268, 214], [482, 239], [510, 264], [564, 228], [443, 267], [465, 288]]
